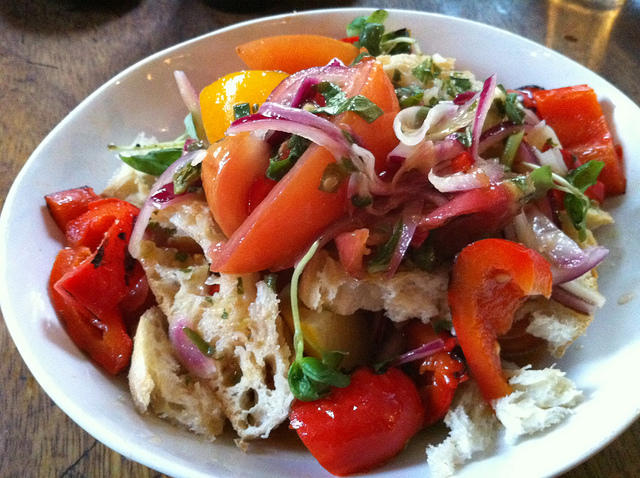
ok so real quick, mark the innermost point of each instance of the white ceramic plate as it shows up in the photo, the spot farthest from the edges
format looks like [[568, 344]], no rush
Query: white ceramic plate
[[144, 98]]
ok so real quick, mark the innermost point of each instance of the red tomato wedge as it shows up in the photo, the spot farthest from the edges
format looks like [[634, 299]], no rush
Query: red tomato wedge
[[577, 118], [291, 53], [361, 426], [489, 281], [296, 212], [229, 172]]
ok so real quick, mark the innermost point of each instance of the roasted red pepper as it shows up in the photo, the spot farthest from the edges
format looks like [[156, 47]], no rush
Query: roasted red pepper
[[489, 281], [65, 206], [95, 281], [361, 426], [103, 338], [438, 375], [577, 118]]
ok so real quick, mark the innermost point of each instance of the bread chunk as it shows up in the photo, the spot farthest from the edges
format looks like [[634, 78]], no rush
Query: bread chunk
[[408, 294], [160, 384]]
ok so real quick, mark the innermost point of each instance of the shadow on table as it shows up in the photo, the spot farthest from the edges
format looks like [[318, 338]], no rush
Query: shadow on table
[[63, 15]]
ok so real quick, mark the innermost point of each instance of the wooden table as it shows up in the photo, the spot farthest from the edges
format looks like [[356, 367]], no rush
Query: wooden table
[[53, 53]]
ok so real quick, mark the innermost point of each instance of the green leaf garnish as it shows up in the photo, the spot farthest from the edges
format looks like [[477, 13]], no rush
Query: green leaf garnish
[[153, 162], [241, 110], [337, 102], [287, 155], [309, 378], [185, 177], [204, 347], [380, 260]]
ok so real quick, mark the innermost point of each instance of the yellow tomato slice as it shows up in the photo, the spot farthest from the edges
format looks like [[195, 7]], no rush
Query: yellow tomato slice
[[218, 99]]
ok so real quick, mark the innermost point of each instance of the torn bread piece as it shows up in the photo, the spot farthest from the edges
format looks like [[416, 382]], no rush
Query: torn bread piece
[[160, 384], [541, 399], [237, 315], [325, 284]]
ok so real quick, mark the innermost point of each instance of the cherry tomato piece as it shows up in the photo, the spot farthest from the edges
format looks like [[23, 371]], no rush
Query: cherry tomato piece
[[361, 426]]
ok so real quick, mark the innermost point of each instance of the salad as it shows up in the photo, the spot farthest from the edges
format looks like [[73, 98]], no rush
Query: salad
[[355, 230]]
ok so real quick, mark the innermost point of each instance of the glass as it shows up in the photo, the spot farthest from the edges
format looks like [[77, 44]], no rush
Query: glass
[[580, 29]]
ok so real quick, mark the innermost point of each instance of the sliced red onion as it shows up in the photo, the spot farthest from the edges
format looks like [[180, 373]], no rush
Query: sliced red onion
[[484, 173], [484, 103], [525, 154], [567, 259], [150, 205], [299, 122], [404, 123], [295, 89], [496, 134], [410, 219], [191, 101], [188, 353], [421, 352]]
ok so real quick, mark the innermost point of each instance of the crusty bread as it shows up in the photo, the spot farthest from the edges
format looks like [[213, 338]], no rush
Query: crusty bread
[[408, 294], [541, 399], [241, 321], [159, 384]]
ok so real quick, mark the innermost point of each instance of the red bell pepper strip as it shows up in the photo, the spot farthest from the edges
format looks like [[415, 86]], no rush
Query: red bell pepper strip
[[65, 206], [489, 281], [89, 228], [577, 118], [438, 375], [95, 281], [103, 338], [361, 426]]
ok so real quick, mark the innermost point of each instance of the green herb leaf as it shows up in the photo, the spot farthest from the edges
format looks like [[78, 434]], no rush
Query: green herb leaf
[[514, 108], [288, 153], [542, 178], [204, 347], [241, 110], [337, 102], [185, 177], [380, 260], [409, 96], [153, 162], [586, 175]]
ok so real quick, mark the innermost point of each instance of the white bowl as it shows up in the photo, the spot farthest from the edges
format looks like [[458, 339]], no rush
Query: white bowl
[[144, 98]]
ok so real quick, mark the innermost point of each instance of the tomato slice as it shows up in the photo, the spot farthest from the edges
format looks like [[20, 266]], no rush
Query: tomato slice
[[291, 53], [229, 172], [577, 118], [296, 212], [489, 281], [361, 426]]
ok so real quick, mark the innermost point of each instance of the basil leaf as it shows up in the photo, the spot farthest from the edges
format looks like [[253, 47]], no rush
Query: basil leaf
[[457, 84], [542, 178], [321, 373], [398, 40], [427, 71], [287, 155], [586, 175], [185, 177], [332, 178], [409, 96], [424, 256], [514, 109], [241, 110], [371, 38], [381, 258], [153, 162], [302, 387], [465, 137], [337, 102], [577, 210]]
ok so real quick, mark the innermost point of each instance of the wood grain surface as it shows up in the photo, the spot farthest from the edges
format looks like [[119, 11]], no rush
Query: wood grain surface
[[54, 53]]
